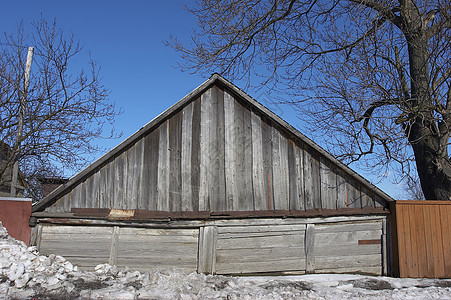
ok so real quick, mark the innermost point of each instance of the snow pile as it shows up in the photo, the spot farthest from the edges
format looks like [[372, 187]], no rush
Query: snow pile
[[24, 274]]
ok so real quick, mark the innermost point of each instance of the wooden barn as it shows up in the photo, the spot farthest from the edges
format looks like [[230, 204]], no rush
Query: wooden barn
[[217, 184]]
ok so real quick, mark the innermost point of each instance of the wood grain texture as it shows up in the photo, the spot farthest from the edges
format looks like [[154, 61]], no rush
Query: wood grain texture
[[260, 249], [186, 164], [207, 250], [217, 154], [258, 172], [175, 158], [163, 168]]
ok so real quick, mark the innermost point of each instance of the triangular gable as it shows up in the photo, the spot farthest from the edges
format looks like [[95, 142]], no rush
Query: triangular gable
[[259, 114]]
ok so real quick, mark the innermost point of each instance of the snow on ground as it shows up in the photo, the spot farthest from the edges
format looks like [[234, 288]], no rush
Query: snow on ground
[[24, 274]]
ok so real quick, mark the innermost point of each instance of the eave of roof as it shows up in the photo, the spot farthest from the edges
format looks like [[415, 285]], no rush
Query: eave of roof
[[222, 82]]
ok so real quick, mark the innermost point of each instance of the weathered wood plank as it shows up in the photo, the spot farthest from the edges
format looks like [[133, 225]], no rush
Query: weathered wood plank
[[311, 179], [310, 248], [230, 151], [267, 165], [261, 228], [186, 164], [348, 250], [261, 242], [114, 246], [354, 194], [205, 155], [264, 266], [132, 178], [342, 190], [195, 155], [145, 182], [118, 182], [328, 185], [350, 226], [293, 175], [207, 250], [163, 168], [299, 171], [175, 149], [151, 163], [258, 180], [346, 238], [362, 270], [279, 179], [367, 198], [243, 164], [339, 262], [217, 174]]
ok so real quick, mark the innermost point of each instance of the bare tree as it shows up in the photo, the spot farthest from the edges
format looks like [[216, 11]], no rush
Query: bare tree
[[65, 107], [372, 75]]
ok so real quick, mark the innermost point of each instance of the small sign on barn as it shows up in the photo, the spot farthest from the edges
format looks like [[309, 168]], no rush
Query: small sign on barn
[[217, 184]]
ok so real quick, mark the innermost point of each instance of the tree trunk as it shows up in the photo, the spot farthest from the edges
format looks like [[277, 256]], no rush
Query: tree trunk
[[424, 134], [433, 166]]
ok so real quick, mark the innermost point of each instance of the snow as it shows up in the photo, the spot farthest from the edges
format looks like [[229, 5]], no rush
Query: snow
[[25, 274]]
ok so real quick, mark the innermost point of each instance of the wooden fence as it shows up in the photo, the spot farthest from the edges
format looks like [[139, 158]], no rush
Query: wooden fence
[[421, 238]]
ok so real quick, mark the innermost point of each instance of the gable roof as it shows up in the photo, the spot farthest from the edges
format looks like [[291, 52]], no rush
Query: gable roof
[[219, 81]]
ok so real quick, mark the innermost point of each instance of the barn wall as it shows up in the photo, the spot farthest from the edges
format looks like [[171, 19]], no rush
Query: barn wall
[[216, 154], [241, 246]]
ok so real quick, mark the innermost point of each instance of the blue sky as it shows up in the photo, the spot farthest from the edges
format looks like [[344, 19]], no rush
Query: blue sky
[[126, 38]]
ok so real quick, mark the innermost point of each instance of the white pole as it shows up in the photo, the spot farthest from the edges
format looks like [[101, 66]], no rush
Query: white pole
[[23, 99]]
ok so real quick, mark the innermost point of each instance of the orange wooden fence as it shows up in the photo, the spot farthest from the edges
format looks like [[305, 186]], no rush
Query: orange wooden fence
[[421, 238]]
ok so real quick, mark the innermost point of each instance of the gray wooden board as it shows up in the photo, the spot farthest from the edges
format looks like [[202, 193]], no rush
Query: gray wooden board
[[152, 162], [195, 154], [252, 228], [243, 159], [333, 262], [259, 260], [131, 179], [140, 173], [216, 132], [205, 155], [350, 226], [247, 249], [354, 197], [175, 152], [144, 200], [258, 180], [367, 198], [186, 165], [230, 152], [310, 248], [328, 185], [163, 168], [207, 250], [66, 241], [342, 190], [362, 270], [267, 165], [118, 183], [280, 170], [158, 248], [261, 242], [346, 237], [312, 181], [278, 265]]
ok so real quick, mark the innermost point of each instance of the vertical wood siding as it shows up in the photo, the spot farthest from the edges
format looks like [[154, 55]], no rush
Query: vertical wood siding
[[217, 154], [421, 237]]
